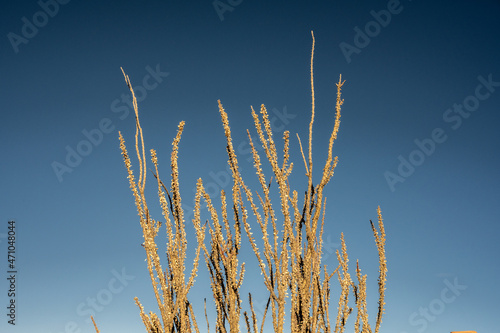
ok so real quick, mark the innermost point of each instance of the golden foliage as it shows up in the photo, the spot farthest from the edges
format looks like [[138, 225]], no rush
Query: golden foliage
[[290, 260]]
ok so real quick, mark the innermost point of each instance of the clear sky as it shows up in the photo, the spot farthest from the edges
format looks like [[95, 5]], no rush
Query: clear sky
[[419, 137]]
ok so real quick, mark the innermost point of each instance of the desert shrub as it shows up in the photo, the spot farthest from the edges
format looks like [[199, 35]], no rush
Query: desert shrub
[[290, 258]]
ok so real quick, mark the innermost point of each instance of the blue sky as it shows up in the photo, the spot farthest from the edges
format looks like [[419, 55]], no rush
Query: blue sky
[[419, 137]]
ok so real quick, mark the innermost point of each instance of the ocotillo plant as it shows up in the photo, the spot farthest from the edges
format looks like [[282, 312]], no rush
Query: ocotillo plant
[[290, 261]]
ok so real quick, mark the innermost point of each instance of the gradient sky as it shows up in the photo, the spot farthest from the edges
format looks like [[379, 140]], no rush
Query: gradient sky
[[419, 137]]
